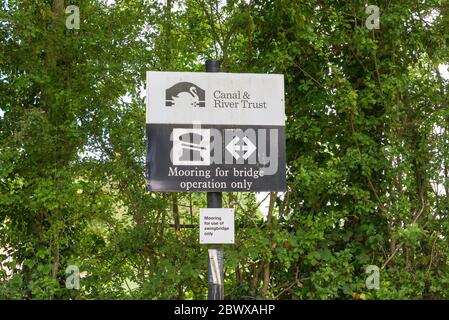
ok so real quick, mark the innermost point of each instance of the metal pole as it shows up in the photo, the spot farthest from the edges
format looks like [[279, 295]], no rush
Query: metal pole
[[214, 200]]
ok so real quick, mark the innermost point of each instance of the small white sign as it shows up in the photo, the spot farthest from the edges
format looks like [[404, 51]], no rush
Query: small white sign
[[216, 226]]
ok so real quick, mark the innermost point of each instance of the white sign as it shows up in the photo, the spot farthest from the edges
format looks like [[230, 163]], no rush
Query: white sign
[[215, 98], [216, 226], [215, 132]]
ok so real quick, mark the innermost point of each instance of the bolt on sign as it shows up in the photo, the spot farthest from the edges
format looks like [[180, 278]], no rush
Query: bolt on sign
[[215, 132]]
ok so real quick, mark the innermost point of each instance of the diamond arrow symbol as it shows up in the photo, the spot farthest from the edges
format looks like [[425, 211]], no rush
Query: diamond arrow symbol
[[232, 147], [249, 147]]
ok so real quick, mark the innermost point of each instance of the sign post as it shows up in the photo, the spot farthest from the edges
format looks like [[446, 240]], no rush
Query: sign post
[[215, 132], [215, 272]]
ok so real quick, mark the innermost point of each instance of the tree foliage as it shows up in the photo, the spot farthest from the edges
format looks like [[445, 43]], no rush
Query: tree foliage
[[367, 148]]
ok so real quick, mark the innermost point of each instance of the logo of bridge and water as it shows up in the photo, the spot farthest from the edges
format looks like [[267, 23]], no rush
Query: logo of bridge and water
[[185, 94]]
